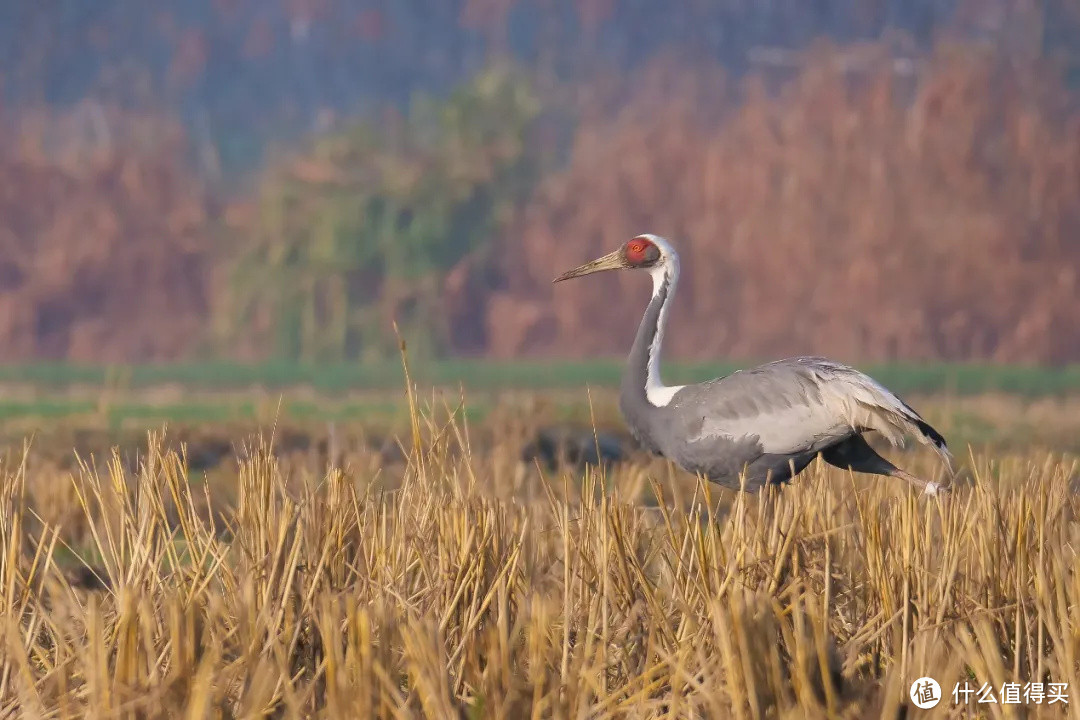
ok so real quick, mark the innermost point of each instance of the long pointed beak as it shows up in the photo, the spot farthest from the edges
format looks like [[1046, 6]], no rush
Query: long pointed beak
[[611, 261]]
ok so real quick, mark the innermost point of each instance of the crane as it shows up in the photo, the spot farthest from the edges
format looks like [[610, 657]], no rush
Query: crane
[[761, 425]]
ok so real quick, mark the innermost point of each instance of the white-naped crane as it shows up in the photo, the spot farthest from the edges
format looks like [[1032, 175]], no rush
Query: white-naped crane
[[757, 426]]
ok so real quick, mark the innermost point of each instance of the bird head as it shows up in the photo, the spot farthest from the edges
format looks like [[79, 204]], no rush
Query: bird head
[[644, 252]]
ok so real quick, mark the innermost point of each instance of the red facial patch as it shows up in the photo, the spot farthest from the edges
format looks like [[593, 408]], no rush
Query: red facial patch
[[636, 249]]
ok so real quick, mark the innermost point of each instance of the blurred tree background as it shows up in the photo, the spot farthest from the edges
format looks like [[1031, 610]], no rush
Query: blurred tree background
[[284, 179], [362, 227]]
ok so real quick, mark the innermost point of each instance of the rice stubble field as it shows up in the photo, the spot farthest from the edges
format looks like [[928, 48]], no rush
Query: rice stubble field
[[452, 584]]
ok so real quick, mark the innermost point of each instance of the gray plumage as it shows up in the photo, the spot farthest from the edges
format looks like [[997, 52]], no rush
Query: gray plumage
[[756, 426]]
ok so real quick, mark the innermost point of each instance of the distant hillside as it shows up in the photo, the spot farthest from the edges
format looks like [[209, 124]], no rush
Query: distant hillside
[[245, 73]]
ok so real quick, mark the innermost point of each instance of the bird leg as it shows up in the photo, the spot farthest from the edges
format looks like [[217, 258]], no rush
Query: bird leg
[[856, 454], [928, 486]]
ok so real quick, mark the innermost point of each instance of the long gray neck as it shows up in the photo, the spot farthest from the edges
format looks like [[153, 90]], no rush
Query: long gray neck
[[642, 392]]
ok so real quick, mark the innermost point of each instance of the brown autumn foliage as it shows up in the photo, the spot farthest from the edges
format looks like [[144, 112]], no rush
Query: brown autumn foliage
[[856, 206], [868, 214], [103, 252]]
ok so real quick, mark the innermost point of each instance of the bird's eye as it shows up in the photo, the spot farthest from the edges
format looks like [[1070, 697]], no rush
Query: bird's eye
[[635, 251]]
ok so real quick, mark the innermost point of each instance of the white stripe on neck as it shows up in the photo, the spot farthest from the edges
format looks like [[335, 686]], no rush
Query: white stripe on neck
[[656, 392]]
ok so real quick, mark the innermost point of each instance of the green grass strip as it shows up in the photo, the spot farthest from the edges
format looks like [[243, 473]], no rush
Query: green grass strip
[[336, 378]]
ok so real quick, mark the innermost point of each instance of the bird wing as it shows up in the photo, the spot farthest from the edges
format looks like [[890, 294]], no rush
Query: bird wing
[[799, 405]]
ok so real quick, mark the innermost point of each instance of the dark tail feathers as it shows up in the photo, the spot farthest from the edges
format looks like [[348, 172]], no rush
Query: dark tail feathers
[[934, 435]]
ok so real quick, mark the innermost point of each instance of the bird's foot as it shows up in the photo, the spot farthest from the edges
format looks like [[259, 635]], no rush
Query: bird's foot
[[936, 489]]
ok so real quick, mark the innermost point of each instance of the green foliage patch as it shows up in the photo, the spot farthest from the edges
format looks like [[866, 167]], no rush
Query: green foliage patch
[[364, 224]]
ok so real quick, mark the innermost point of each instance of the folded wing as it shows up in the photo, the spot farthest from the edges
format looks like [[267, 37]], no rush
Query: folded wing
[[797, 406]]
